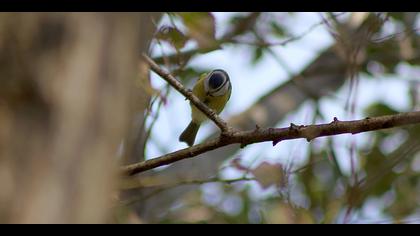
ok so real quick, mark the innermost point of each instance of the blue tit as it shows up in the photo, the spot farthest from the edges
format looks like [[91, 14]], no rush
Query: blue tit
[[212, 89]]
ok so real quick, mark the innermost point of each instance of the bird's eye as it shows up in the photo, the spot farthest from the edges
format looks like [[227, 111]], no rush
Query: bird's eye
[[216, 80]]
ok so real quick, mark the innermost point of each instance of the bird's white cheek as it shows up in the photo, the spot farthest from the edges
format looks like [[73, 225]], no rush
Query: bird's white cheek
[[206, 85], [222, 91]]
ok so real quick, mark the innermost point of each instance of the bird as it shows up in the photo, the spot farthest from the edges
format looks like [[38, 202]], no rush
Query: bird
[[214, 90]]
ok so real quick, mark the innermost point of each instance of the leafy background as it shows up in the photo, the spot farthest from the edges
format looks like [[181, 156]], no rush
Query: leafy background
[[303, 68]]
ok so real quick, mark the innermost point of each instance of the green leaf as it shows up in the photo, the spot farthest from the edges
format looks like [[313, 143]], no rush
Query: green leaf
[[173, 36], [374, 167], [399, 16], [258, 53], [405, 202], [277, 29], [201, 27], [379, 109]]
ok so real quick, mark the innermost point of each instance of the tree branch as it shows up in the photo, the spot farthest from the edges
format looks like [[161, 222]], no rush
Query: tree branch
[[156, 182], [276, 135], [164, 187], [188, 94]]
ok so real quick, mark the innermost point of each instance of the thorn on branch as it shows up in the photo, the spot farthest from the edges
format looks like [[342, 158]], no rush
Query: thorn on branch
[[295, 128], [275, 142]]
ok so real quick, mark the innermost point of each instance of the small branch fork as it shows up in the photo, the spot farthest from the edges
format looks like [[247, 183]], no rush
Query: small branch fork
[[275, 135]]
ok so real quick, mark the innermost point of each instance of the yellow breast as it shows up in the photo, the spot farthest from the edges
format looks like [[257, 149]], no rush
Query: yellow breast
[[216, 103]]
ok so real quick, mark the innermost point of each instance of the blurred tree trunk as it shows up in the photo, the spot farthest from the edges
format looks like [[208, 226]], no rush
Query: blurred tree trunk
[[66, 102], [140, 95]]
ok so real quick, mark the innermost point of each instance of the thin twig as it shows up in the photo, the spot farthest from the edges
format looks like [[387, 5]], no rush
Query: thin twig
[[406, 33], [165, 187], [155, 118], [261, 43]]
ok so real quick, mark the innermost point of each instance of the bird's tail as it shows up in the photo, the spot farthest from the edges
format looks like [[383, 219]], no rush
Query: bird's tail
[[188, 135]]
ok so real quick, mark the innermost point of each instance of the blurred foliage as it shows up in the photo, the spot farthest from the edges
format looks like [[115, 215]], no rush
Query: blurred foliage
[[201, 27], [172, 35], [330, 194]]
